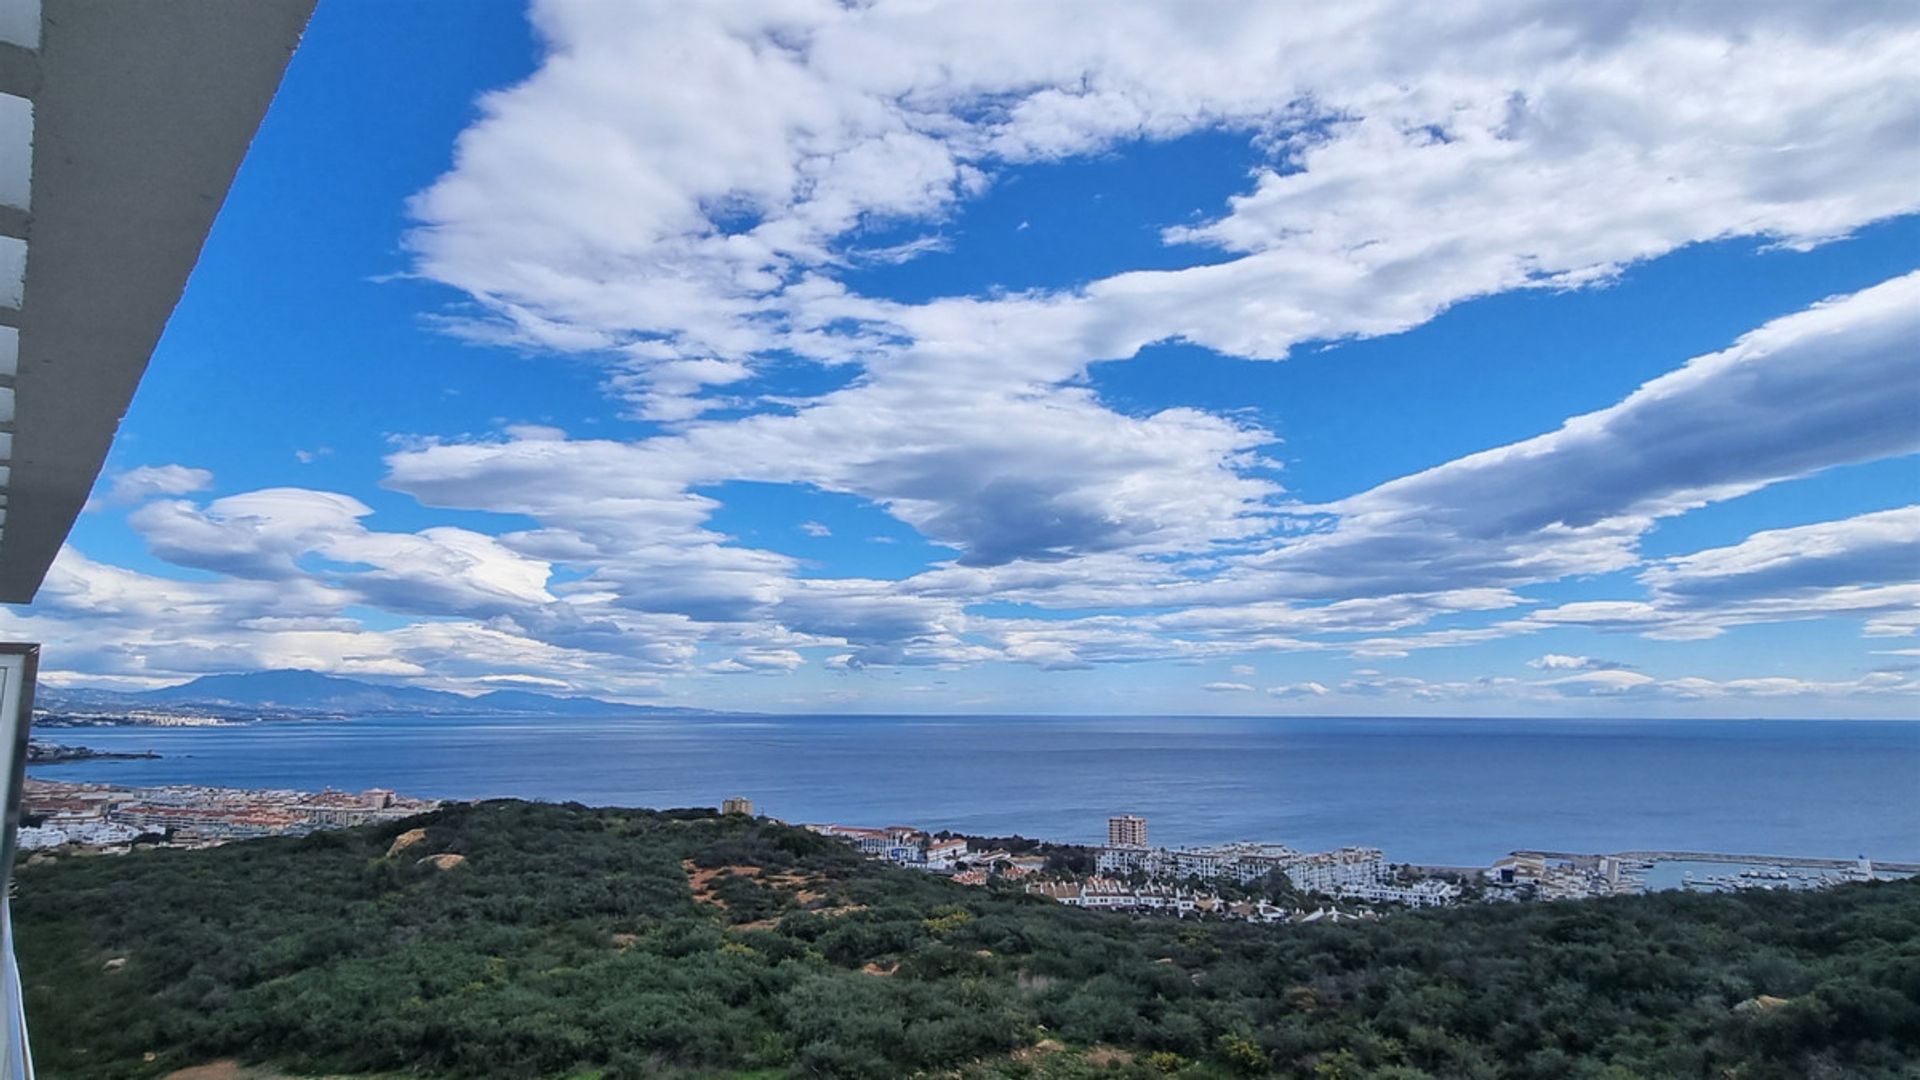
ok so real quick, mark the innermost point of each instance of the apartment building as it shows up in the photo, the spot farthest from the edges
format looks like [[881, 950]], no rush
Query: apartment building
[[1127, 831]]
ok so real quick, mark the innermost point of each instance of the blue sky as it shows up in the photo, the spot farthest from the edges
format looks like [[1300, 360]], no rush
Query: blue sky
[[1558, 365]]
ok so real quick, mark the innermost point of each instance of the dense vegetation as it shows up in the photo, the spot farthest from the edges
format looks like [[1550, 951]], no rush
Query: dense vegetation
[[576, 941]]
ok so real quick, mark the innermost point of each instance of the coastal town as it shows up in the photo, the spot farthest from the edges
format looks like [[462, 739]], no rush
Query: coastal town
[[1249, 881], [1243, 881], [110, 818], [1269, 882]]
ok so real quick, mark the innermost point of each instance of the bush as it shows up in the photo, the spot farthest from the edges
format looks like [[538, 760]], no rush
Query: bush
[[570, 943]]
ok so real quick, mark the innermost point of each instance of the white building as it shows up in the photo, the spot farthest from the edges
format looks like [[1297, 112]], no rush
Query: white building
[[103, 833], [943, 854], [1247, 863], [1200, 863], [1107, 894], [1331, 871], [30, 838], [1426, 893], [1326, 872], [868, 841]]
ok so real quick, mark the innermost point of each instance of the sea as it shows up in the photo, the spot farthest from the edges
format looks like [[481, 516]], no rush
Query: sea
[[1455, 792]]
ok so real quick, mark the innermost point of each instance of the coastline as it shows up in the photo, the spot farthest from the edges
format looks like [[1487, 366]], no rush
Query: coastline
[[45, 753], [1459, 794]]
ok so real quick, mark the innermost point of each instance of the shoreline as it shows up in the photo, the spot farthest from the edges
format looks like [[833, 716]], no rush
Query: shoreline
[[220, 813], [45, 753], [1434, 795]]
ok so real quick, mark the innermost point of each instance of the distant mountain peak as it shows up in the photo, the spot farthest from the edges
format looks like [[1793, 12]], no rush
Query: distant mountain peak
[[300, 690]]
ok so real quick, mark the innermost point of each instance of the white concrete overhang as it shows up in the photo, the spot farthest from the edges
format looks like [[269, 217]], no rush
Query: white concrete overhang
[[122, 123]]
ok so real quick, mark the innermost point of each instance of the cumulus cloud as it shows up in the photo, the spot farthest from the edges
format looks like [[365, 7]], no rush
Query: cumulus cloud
[[653, 582], [758, 661], [1599, 682], [1227, 688], [1300, 689], [1876, 684], [1806, 561], [1865, 567], [108, 625], [155, 481], [1805, 392], [1402, 163], [1833, 385], [1890, 692], [1431, 155], [1563, 662], [679, 193], [284, 533], [534, 682]]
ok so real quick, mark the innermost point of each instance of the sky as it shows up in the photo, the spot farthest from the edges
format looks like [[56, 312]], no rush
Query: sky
[[1518, 359]]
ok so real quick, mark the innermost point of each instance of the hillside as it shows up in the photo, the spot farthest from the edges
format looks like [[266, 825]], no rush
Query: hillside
[[515, 939]]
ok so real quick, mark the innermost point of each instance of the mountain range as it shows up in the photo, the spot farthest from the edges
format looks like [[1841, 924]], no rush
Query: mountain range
[[297, 692]]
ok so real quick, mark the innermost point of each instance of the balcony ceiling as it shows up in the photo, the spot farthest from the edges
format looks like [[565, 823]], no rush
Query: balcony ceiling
[[137, 115]]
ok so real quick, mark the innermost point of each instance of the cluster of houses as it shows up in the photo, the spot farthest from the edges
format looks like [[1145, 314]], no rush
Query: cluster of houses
[[900, 844], [93, 834], [108, 817], [1110, 894], [1526, 875], [1353, 873], [1130, 876], [920, 850]]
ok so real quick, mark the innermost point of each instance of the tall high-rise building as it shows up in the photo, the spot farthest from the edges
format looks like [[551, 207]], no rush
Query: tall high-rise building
[[1127, 830], [739, 804]]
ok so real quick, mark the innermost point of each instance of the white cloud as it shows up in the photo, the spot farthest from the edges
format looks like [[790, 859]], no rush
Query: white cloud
[[1806, 561], [532, 681], [677, 193], [1599, 682], [277, 534], [106, 625], [1886, 692], [1865, 567], [1876, 684], [1405, 163], [1227, 688], [1803, 392], [1412, 161], [758, 661], [155, 481], [1808, 391], [678, 186], [1038, 475], [1301, 689], [1563, 662], [816, 529], [1836, 384]]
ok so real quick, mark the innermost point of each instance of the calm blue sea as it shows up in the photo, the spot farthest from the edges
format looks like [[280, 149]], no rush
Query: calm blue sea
[[1434, 791]]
